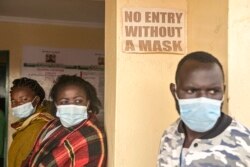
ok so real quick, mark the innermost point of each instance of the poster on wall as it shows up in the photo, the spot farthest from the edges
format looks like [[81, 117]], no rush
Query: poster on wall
[[153, 30], [46, 64]]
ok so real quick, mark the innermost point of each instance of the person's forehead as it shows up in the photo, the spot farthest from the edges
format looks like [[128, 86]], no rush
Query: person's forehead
[[194, 67], [69, 89], [22, 91]]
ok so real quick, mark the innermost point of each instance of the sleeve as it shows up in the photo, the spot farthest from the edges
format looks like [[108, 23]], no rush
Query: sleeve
[[169, 151], [160, 156]]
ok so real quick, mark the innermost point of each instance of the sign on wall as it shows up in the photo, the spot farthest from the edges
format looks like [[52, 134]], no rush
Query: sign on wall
[[46, 64], [147, 30]]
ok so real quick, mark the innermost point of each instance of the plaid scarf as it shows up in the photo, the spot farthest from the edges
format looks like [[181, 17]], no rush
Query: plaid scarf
[[81, 145]]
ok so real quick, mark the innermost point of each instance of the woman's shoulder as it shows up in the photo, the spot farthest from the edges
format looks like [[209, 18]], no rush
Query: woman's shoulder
[[37, 124], [91, 127], [42, 114], [32, 129]]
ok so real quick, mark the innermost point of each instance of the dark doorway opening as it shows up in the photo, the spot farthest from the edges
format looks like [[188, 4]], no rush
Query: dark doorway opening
[[4, 78]]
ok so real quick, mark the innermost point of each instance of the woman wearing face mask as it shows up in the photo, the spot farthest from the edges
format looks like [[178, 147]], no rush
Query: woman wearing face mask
[[74, 139], [26, 98]]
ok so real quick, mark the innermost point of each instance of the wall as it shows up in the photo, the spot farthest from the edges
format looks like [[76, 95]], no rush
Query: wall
[[141, 106], [138, 104], [238, 60], [208, 30], [13, 36]]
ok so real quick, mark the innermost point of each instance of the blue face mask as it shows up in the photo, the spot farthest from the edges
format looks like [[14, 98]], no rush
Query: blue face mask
[[24, 110], [200, 114], [71, 115]]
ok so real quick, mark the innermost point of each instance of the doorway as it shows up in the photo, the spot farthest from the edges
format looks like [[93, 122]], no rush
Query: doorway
[[4, 78]]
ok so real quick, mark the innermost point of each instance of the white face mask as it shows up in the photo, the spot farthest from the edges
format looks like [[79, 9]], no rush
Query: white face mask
[[24, 110], [199, 114], [71, 115]]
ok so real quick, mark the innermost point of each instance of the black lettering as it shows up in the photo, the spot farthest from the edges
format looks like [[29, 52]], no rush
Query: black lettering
[[157, 46], [177, 46], [145, 45], [178, 16], [131, 31], [167, 46], [129, 46], [128, 16]]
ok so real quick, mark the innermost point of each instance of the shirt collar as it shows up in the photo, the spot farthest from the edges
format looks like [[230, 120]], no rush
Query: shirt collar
[[223, 122]]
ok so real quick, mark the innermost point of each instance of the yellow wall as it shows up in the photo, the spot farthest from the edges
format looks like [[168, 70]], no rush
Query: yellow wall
[[238, 60], [208, 31], [141, 106], [138, 103], [13, 36]]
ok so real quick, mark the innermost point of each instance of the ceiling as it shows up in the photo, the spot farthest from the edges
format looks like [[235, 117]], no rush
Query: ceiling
[[89, 12]]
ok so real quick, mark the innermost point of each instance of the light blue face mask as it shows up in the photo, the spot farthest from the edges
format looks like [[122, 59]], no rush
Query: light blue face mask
[[200, 114], [24, 110], [71, 115]]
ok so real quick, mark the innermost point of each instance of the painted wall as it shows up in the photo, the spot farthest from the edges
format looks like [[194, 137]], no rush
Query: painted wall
[[141, 106], [238, 60], [208, 31], [13, 36], [138, 104]]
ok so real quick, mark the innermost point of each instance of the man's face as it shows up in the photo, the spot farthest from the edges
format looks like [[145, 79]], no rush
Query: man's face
[[198, 79]]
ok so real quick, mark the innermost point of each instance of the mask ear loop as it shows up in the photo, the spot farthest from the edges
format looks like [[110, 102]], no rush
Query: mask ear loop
[[223, 98], [88, 104], [176, 96], [33, 99], [55, 104], [33, 102]]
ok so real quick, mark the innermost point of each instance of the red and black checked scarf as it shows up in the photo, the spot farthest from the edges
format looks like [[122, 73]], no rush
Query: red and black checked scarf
[[82, 145]]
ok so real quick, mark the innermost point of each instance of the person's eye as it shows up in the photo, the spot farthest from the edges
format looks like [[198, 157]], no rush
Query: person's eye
[[78, 101], [190, 91], [25, 99], [63, 102], [213, 91]]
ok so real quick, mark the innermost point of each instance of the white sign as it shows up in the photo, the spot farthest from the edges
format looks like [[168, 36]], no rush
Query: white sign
[[153, 31], [46, 64]]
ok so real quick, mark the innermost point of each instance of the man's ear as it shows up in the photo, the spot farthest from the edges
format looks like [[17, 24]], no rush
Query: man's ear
[[172, 89]]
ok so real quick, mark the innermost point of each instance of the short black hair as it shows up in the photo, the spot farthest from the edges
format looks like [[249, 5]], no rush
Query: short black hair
[[200, 56], [65, 80], [31, 84]]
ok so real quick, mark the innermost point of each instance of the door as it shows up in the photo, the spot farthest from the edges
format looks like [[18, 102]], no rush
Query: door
[[4, 78]]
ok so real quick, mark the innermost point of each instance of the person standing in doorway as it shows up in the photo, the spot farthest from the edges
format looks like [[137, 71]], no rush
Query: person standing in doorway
[[27, 96], [75, 138]]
